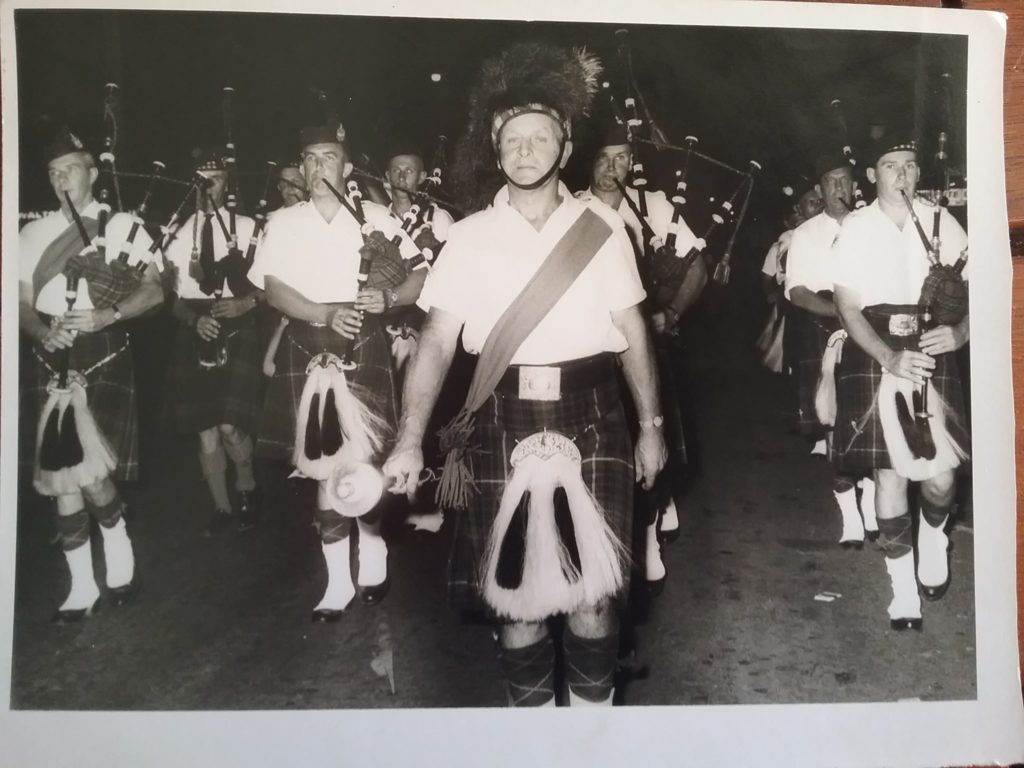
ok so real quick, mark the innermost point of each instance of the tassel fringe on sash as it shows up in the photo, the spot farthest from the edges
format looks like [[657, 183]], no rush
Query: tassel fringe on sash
[[900, 437]]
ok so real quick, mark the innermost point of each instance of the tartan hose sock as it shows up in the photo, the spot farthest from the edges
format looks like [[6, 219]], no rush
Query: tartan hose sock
[[894, 536], [529, 674], [590, 668]]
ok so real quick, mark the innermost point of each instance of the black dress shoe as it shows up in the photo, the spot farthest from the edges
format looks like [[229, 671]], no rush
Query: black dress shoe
[[871, 536], [373, 595], [120, 596], [852, 544], [327, 615], [219, 522], [247, 510], [76, 615], [903, 624]]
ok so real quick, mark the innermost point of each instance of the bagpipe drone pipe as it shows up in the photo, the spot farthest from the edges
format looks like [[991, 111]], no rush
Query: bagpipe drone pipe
[[666, 268]]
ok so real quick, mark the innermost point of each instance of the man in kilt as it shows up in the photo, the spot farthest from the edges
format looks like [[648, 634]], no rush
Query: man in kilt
[[545, 290], [813, 319], [655, 509], [215, 386], [882, 265], [309, 265], [91, 338]]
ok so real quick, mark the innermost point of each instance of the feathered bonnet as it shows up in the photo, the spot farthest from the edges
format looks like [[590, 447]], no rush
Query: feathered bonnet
[[527, 77]]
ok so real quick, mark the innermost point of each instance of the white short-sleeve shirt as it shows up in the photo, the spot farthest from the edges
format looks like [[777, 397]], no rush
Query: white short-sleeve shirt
[[36, 236], [885, 264], [317, 258], [811, 262], [777, 257], [490, 257], [440, 221], [179, 250]]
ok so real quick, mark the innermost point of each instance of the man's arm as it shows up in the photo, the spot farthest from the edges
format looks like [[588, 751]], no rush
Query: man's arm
[[423, 381], [641, 377], [907, 364], [688, 293], [803, 297], [290, 302]]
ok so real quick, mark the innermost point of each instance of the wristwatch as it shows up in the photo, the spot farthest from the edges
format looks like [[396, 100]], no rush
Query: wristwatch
[[657, 421], [117, 313], [390, 298]]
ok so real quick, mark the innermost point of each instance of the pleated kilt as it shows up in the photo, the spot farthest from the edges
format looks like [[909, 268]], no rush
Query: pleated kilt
[[811, 333], [858, 440], [202, 398], [594, 419], [372, 380], [110, 389]]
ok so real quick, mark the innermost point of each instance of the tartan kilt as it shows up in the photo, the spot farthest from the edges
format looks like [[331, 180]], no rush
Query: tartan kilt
[[110, 389], [595, 420], [810, 335], [202, 398], [372, 381], [858, 441]]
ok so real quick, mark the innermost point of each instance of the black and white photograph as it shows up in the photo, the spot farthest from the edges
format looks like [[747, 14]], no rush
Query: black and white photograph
[[425, 360]]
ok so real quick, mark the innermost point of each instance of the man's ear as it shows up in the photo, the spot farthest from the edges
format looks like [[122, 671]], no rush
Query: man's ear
[[346, 169], [421, 178], [94, 173], [870, 173], [819, 190]]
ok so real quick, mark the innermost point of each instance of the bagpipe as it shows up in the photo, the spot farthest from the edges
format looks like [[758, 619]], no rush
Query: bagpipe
[[666, 268], [337, 435]]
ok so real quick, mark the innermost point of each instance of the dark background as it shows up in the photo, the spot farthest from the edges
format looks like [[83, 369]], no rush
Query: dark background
[[759, 94]]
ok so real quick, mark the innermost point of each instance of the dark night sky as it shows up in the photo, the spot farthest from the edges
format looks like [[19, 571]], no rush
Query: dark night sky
[[746, 93]]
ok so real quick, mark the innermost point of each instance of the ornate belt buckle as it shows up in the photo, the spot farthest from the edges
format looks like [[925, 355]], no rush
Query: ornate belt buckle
[[540, 382], [902, 325]]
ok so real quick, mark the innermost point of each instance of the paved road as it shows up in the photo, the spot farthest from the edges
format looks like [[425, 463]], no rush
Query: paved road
[[224, 623]]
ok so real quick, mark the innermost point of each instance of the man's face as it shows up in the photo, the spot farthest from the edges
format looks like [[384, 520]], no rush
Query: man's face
[[835, 187], [895, 173], [74, 173], [528, 145], [292, 186], [809, 205], [405, 173], [325, 162], [610, 166], [213, 195]]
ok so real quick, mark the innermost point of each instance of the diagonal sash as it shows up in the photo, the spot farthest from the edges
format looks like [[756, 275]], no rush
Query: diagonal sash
[[55, 258], [570, 256]]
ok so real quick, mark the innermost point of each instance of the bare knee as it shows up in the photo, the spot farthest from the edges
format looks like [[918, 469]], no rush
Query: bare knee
[[101, 492], [890, 494], [521, 634], [230, 433], [593, 621], [939, 490]]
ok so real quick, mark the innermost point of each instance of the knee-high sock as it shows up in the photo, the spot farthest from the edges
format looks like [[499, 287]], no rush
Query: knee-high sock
[[932, 544], [215, 466], [853, 528], [652, 559], [530, 674], [334, 537], [590, 668], [373, 554], [117, 547], [894, 536], [239, 449], [867, 504], [74, 536], [906, 603]]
